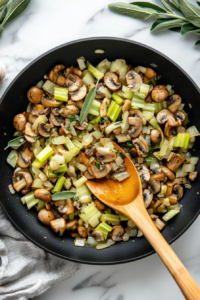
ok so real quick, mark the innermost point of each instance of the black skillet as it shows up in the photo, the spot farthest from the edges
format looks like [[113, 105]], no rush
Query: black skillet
[[14, 101]]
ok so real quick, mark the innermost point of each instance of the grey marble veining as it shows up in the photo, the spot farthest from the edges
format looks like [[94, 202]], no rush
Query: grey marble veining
[[46, 24]]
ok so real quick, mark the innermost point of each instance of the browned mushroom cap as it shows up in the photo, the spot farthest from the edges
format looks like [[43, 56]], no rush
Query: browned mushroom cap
[[43, 195], [136, 126], [174, 161], [73, 82], [76, 71], [117, 130], [67, 208], [104, 155], [55, 76], [148, 197], [111, 81], [22, 180], [58, 225], [34, 95], [55, 111], [44, 129], [71, 225], [99, 205], [89, 151], [69, 110], [28, 130], [39, 110], [117, 233], [31, 118], [98, 235], [99, 95], [24, 157], [168, 173], [180, 180], [51, 102], [99, 173], [155, 136], [166, 116], [56, 120], [141, 147], [82, 231], [150, 73], [30, 139], [155, 186], [45, 216], [19, 122], [136, 113], [126, 106], [174, 102], [79, 94], [143, 172], [88, 175], [103, 107], [175, 130], [179, 116], [178, 191], [159, 93], [133, 80]]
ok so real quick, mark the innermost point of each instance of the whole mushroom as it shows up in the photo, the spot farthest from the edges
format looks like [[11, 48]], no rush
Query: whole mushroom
[[34, 95], [19, 122], [45, 216], [159, 93]]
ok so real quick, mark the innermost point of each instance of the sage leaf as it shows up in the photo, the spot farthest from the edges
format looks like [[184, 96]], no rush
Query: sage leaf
[[191, 12], [20, 140], [133, 10], [164, 24], [198, 2], [87, 104], [63, 195], [175, 29], [168, 7], [189, 28], [14, 9], [149, 5], [175, 3], [197, 43], [3, 11]]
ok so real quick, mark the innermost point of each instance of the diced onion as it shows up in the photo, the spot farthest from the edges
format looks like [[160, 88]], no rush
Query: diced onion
[[121, 176], [133, 232], [102, 246], [119, 161], [140, 160], [188, 186], [48, 184], [122, 138], [87, 139], [59, 140], [126, 237], [139, 234], [59, 159], [97, 134], [194, 160], [91, 241], [12, 158], [188, 168], [11, 189], [142, 69], [79, 242], [99, 51], [110, 242], [37, 183]]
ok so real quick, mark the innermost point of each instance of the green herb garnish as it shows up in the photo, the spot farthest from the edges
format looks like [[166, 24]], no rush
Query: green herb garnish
[[35, 138], [75, 105], [97, 164], [69, 128], [16, 142], [130, 145], [122, 155], [114, 150], [73, 118], [151, 149], [75, 199]]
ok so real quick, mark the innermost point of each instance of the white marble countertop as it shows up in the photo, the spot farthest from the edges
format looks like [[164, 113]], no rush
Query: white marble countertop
[[48, 23]]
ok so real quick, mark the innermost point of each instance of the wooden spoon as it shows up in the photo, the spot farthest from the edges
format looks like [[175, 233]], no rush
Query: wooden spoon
[[127, 197]]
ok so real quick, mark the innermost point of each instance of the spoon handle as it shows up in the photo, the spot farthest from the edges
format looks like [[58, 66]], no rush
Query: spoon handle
[[140, 217]]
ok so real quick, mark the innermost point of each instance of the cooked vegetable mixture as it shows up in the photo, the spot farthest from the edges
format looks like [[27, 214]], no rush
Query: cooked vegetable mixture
[[64, 138]]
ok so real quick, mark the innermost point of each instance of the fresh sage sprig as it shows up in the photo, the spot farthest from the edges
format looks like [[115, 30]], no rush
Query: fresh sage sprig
[[16, 142], [63, 195], [187, 23], [87, 104], [10, 9]]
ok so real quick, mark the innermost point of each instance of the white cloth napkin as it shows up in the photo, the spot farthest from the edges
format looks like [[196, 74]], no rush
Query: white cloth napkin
[[26, 271]]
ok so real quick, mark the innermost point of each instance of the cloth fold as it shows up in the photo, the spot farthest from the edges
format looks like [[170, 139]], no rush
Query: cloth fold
[[26, 271]]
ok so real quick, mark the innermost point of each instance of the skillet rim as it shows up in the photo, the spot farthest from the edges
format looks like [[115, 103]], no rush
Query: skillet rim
[[50, 51]]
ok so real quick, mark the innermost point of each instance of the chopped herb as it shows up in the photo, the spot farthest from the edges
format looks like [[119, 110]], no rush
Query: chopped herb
[[118, 123], [97, 164], [117, 170], [62, 112], [106, 103], [122, 155], [130, 145], [153, 81], [73, 118], [104, 120], [47, 141], [46, 194], [75, 105], [75, 199], [113, 150], [35, 138], [69, 128], [55, 145], [83, 212], [151, 149]]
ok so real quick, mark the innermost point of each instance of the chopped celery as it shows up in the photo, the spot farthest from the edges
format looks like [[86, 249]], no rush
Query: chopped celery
[[153, 81], [44, 154], [69, 145], [12, 158], [104, 66], [95, 108], [61, 94], [164, 147], [125, 125], [170, 214], [68, 155], [144, 88], [59, 172], [42, 142], [182, 140], [71, 217], [147, 114], [140, 95], [90, 214], [113, 111], [67, 184], [117, 99], [109, 217], [40, 84], [163, 189], [84, 194], [59, 185], [49, 86], [149, 107], [60, 140], [127, 94], [159, 106], [29, 200], [90, 127], [81, 134], [105, 228], [124, 218], [113, 126], [95, 72], [37, 164], [193, 131], [40, 205], [81, 63], [77, 144], [88, 79], [95, 120], [137, 102], [105, 91], [80, 181]]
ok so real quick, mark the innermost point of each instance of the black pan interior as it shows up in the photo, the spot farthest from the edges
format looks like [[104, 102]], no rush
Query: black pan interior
[[14, 101]]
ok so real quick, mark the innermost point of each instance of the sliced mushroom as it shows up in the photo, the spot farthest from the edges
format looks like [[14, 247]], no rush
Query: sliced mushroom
[[69, 110], [55, 76], [98, 235], [73, 82], [135, 126], [56, 120], [19, 122], [31, 118], [167, 130], [111, 81], [99, 205], [101, 172], [103, 126], [55, 111], [24, 157], [166, 116], [89, 151], [175, 130], [168, 173], [22, 180], [63, 130], [34, 95], [133, 80], [52, 179], [174, 102], [80, 94], [44, 129], [39, 110], [174, 161], [136, 113], [58, 225], [159, 93], [71, 225], [117, 233], [148, 197], [193, 175], [82, 126], [28, 130], [51, 102], [67, 208], [180, 180], [30, 139], [117, 130], [179, 116], [88, 175], [143, 172], [84, 159], [45, 216], [82, 231], [155, 136], [155, 186], [141, 147], [126, 105], [133, 152], [76, 71], [178, 191], [99, 95], [104, 155], [103, 107], [43, 195]]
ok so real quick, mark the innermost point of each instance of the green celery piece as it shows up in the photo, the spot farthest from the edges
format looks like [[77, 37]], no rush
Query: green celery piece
[[45, 154], [113, 111], [59, 184], [95, 72], [182, 140], [61, 94], [117, 99], [104, 228]]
